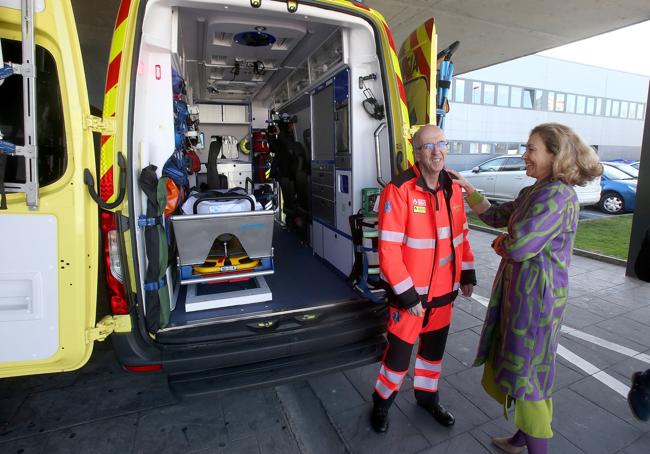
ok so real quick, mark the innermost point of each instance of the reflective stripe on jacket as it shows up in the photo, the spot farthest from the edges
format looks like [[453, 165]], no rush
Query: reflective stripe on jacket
[[424, 253]]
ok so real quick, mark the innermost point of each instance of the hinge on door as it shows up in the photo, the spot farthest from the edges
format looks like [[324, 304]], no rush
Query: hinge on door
[[108, 325], [292, 6], [106, 126]]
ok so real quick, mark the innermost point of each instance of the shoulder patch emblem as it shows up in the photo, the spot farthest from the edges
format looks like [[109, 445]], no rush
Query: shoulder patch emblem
[[388, 207], [396, 317]]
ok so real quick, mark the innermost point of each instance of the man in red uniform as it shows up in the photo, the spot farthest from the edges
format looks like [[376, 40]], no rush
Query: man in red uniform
[[425, 257]]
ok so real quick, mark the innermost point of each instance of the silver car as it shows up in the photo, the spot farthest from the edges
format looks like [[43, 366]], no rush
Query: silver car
[[502, 178]]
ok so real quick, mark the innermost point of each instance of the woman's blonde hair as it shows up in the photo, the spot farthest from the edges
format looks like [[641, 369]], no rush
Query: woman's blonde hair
[[575, 162]]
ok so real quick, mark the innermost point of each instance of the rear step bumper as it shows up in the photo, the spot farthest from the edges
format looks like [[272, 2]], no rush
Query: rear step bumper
[[277, 371], [250, 348]]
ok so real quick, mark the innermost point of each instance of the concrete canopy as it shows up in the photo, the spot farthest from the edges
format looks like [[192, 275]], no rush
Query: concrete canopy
[[490, 31], [494, 31]]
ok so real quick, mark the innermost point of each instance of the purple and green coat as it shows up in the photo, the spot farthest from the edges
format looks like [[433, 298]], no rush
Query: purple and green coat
[[529, 294]]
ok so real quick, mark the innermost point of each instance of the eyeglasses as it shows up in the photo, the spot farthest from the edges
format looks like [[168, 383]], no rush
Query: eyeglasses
[[442, 145]]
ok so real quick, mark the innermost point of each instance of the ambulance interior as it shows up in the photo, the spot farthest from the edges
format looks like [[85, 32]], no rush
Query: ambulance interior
[[294, 85]]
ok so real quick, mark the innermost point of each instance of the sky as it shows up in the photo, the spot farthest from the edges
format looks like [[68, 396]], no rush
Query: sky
[[624, 49]]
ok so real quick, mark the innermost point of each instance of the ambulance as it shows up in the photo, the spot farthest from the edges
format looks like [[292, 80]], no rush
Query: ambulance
[[216, 299]]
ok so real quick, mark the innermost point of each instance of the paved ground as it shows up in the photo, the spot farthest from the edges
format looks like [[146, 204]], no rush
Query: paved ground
[[100, 409], [592, 212]]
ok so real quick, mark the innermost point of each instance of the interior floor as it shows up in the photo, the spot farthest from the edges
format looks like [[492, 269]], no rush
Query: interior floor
[[301, 279]]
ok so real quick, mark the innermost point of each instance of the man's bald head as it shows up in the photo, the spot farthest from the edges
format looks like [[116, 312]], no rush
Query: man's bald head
[[425, 132], [431, 159]]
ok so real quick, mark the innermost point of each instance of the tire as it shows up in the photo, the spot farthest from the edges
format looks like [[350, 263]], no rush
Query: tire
[[611, 203]]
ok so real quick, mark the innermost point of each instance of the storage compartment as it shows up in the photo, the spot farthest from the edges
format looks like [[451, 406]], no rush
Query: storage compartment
[[244, 68]]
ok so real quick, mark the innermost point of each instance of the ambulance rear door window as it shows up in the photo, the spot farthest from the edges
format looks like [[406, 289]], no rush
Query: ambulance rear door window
[[50, 127]]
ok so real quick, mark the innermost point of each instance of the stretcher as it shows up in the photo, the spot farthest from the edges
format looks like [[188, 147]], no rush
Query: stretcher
[[199, 237]]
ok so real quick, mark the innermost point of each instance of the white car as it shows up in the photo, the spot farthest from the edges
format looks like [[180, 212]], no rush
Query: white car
[[502, 178]]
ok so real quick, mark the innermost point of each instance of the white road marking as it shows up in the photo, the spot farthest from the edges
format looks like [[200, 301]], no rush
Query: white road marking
[[592, 370], [582, 363], [606, 344], [480, 299]]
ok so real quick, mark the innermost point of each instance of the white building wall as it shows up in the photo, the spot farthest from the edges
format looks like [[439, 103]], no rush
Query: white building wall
[[501, 124], [565, 76], [614, 137]]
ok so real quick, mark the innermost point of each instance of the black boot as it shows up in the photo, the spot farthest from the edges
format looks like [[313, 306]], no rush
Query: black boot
[[639, 396], [429, 401], [379, 415]]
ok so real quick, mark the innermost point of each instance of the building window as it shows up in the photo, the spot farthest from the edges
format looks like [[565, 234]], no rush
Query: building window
[[486, 148], [559, 102], [599, 106], [550, 100], [501, 148], [502, 95], [539, 94], [473, 148], [639, 112], [570, 103], [580, 104], [624, 109], [488, 93], [515, 97], [615, 108], [608, 107], [476, 92], [590, 106], [529, 98], [459, 93], [632, 112], [456, 147]]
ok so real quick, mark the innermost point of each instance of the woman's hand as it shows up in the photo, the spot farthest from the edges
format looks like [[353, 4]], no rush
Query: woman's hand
[[497, 245], [479, 207], [461, 181]]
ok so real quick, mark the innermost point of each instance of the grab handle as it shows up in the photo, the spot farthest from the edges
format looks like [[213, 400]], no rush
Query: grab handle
[[378, 131]]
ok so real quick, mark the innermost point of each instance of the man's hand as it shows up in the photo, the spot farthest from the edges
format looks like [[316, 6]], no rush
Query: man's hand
[[467, 290], [416, 310]]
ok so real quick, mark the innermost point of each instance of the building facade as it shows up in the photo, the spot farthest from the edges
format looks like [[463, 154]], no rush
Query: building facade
[[492, 110]]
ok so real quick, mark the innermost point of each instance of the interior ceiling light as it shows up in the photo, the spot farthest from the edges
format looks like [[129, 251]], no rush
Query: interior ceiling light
[[260, 28], [254, 39]]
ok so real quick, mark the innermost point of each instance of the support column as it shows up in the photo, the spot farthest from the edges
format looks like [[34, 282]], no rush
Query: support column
[[641, 219]]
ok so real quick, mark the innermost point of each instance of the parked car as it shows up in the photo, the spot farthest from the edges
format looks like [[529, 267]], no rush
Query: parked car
[[627, 168], [618, 190], [501, 178], [636, 164]]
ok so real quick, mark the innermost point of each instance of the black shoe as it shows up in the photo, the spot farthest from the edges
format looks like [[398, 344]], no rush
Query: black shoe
[[440, 414], [379, 418], [639, 396]]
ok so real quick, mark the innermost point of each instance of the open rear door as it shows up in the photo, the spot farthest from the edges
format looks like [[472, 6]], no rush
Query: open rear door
[[49, 228], [417, 59]]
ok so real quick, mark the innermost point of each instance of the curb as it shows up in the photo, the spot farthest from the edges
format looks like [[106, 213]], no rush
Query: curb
[[580, 252]]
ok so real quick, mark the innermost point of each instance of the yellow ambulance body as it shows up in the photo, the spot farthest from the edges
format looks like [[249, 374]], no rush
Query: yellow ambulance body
[[70, 232]]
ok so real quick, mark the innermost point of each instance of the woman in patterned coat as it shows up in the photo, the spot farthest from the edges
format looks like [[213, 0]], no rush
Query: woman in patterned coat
[[522, 325]]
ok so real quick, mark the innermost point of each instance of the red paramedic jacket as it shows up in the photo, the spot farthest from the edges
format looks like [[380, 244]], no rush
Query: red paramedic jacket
[[424, 254]]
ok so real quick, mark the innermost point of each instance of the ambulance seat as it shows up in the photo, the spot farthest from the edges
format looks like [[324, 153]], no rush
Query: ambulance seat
[[215, 180]]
